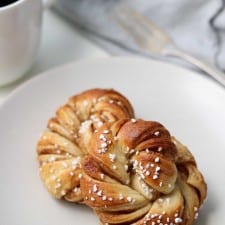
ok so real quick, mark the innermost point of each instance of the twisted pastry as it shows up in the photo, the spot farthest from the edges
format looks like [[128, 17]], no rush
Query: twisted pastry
[[61, 148], [143, 176]]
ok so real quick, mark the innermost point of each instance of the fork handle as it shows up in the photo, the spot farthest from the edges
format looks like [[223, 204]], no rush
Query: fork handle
[[218, 75]]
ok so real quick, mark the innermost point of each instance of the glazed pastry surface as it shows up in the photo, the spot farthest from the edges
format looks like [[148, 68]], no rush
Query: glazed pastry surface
[[65, 142], [129, 171], [136, 173]]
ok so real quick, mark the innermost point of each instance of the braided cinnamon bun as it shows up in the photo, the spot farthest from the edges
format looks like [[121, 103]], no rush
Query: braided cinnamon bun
[[65, 142], [136, 173]]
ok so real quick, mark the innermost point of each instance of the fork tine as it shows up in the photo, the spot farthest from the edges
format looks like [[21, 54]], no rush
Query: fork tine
[[131, 25], [144, 32], [145, 22]]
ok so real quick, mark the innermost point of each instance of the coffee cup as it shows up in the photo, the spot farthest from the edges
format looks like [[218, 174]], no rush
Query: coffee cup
[[20, 31]]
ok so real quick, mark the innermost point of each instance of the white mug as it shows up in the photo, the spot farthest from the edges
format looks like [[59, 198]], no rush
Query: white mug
[[20, 31]]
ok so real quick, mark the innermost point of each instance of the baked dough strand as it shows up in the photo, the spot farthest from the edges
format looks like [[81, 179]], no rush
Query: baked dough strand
[[66, 141], [136, 173]]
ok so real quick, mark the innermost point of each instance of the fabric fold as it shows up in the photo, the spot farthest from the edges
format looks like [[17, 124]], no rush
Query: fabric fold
[[195, 26]]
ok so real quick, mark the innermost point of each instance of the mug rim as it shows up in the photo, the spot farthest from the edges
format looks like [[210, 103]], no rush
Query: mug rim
[[12, 5]]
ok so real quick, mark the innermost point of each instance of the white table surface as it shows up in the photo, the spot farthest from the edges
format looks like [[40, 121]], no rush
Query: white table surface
[[61, 43]]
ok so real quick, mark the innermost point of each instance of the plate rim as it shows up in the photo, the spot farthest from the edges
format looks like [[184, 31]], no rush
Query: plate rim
[[82, 62], [47, 74]]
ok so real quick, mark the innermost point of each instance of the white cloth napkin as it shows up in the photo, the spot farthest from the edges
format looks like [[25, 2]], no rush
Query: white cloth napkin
[[197, 27]]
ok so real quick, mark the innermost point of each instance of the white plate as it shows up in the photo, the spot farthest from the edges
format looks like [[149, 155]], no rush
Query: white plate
[[190, 105]]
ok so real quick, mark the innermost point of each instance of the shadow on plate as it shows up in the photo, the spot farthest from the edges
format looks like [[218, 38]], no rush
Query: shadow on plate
[[207, 210]]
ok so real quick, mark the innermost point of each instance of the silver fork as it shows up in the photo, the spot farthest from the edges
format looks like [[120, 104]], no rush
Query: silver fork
[[155, 41]]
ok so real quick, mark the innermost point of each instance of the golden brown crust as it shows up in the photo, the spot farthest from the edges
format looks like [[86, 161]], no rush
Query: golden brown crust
[[61, 148], [188, 170], [130, 171], [147, 134], [136, 173]]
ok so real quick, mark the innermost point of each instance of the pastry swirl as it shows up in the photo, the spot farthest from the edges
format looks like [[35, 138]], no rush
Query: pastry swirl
[[136, 173], [63, 145]]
